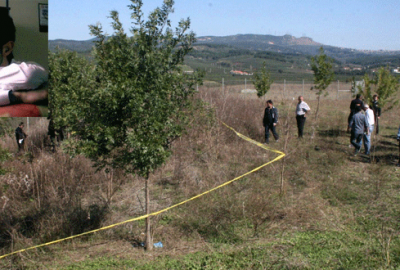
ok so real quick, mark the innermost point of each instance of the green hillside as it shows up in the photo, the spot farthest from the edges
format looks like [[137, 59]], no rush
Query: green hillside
[[286, 57], [219, 60]]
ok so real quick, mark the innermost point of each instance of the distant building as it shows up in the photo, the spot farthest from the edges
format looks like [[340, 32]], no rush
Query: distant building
[[241, 73], [396, 70]]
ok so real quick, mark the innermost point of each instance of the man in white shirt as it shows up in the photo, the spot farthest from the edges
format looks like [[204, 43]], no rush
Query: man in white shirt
[[17, 76], [302, 109], [370, 119]]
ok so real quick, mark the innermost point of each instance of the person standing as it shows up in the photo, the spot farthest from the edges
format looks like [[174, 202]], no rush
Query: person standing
[[358, 126], [20, 135], [357, 102], [370, 119], [302, 109], [377, 111], [270, 121]]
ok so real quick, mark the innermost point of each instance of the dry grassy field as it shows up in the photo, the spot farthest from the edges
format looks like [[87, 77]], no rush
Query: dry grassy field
[[290, 90], [320, 207]]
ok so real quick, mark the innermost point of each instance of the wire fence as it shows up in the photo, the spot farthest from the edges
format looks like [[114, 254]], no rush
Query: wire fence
[[284, 89]]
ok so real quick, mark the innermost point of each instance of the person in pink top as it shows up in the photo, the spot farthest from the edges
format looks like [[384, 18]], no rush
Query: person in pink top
[[17, 77]]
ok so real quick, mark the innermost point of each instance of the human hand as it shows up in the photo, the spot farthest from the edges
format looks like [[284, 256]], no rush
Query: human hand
[[31, 96]]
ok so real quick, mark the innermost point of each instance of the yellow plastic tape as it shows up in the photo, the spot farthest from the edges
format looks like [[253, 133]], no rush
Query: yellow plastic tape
[[281, 155]]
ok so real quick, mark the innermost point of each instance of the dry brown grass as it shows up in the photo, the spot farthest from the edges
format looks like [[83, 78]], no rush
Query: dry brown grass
[[292, 90], [51, 195]]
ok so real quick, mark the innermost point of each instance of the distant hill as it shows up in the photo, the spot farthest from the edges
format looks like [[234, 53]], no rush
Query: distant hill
[[72, 45], [286, 44], [257, 42]]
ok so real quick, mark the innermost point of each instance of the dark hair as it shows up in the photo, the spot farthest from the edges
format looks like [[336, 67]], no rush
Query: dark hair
[[20, 124], [358, 108], [270, 102], [7, 30], [358, 95], [375, 96]]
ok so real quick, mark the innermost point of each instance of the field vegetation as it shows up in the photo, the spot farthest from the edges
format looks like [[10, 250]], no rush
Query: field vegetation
[[319, 208]]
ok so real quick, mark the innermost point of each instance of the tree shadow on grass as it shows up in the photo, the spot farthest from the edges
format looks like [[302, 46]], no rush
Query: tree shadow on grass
[[387, 144], [360, 158], [384, 147], [332, 133], [388, 159], [391, 128], [391, 137]]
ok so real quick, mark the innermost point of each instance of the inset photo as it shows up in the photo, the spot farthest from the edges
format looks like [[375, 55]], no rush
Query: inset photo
[[27, 138], [24, 58]]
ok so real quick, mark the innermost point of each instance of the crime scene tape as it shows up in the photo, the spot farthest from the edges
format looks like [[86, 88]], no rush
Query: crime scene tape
[[281, 155]]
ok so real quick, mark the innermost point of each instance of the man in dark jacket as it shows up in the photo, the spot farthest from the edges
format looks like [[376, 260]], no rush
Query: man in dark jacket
[[355, 103], [270, 120], [20, 135]]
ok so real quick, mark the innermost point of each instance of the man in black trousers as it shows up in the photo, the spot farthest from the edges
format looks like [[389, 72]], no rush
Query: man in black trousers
[[20, 135], [302, 109], [270, 120]]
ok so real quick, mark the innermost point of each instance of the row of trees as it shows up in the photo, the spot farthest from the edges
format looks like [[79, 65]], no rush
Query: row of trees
[[383, 83]]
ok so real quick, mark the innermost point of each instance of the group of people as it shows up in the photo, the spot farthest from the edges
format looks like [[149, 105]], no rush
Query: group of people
[[270, 119], [362, 124], [361, 121]]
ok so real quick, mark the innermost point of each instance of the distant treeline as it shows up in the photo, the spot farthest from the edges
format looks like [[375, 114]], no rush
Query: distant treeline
[[286, 58], [217, 51], [377, 61]]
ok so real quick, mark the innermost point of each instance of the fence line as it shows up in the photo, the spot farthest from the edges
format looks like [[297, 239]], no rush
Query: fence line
[[285, 89]]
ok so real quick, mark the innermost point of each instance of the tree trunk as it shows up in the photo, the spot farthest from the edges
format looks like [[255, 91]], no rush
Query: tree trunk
[[316, 112], [315, 125], [149, 242], [287, 133]]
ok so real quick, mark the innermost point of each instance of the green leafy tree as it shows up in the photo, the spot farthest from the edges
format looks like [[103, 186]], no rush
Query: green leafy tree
[[321, 65], [72, 80], [262, 81], [384, 84], [127, 115]]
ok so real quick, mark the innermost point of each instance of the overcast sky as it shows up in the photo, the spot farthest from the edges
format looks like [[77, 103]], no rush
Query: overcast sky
[[358, 24]]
